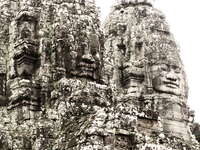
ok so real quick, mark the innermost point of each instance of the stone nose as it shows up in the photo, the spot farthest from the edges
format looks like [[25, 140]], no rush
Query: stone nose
[[88, 58], [172, 77]]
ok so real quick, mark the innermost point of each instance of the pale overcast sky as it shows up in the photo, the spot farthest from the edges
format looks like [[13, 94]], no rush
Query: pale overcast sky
[[184, 19]]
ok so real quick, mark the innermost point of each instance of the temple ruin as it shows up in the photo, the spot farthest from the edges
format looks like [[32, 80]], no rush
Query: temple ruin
[[70, 82]]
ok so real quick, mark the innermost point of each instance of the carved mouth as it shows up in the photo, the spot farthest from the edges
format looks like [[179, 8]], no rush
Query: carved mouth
[[87, 67], [132, 89], [171, 84]]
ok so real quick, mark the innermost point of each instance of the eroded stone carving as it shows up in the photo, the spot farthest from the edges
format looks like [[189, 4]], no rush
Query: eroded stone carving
[[24, 89], [26, 45], [3, 80], [85, 61], [130, 94]]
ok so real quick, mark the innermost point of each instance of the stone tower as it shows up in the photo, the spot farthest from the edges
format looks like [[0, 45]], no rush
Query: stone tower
[[65, 84], [145, 67]]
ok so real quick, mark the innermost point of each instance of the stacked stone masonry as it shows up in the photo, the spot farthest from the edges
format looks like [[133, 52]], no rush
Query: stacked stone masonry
[[69, 83]]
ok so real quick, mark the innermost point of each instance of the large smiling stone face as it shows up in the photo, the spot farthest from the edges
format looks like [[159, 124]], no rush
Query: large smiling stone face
[[167, 78], [85, 62]]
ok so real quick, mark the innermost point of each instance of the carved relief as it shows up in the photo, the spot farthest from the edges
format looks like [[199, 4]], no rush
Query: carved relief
[[25, 93], [25, 53], [61, 45], [26, 25], [26, 45]]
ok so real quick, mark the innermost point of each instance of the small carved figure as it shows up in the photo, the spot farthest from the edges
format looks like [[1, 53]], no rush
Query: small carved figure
[[26, 24], [26, 46]]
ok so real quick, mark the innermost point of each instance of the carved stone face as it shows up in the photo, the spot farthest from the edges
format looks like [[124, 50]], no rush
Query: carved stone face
[[26, 25], [167, 78], [26, 30], [86, 61]]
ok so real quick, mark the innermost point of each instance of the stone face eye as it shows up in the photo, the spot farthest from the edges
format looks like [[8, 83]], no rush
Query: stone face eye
[[177, 69], [164, 68]]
